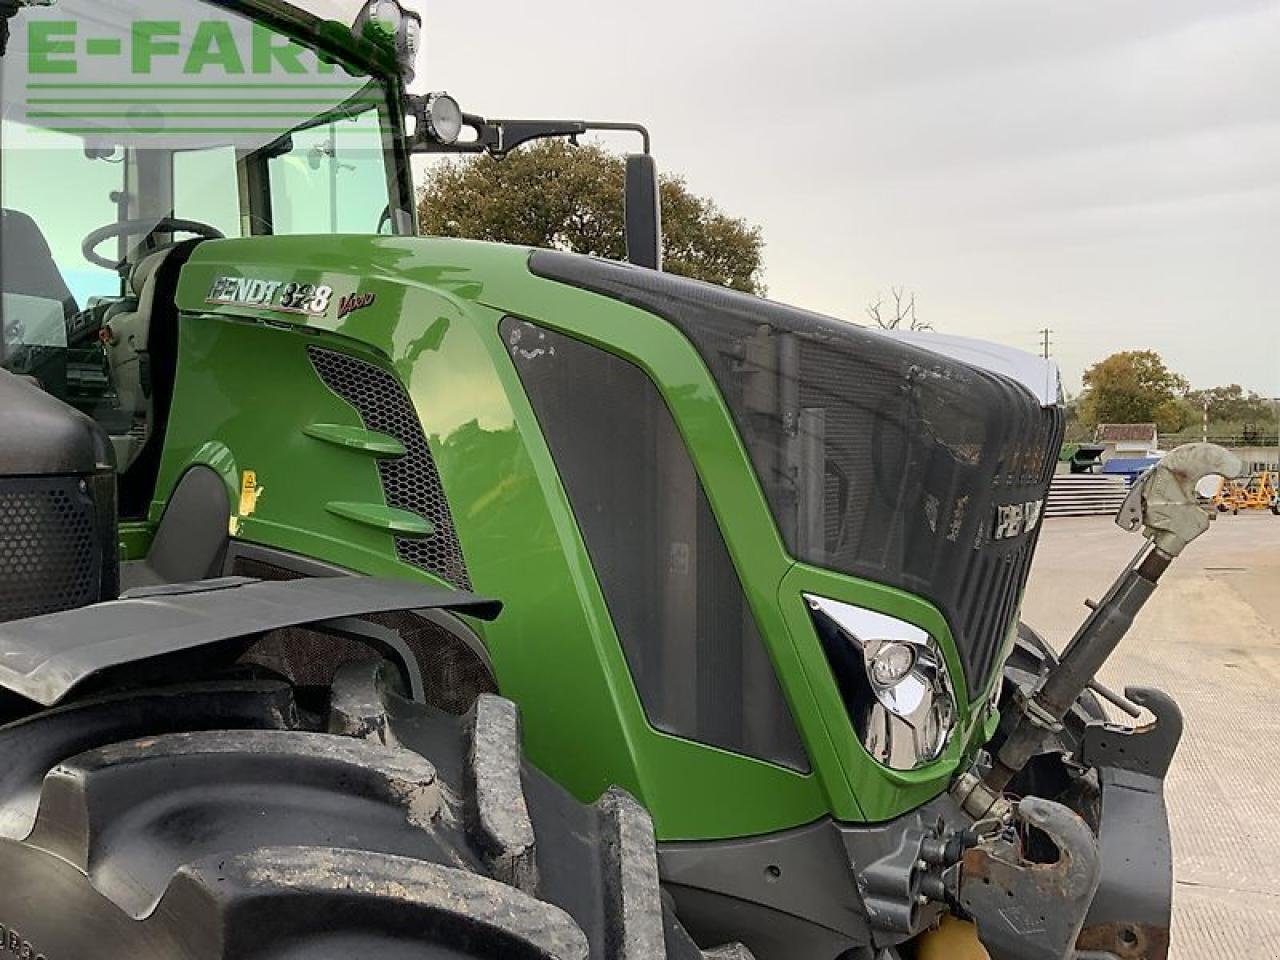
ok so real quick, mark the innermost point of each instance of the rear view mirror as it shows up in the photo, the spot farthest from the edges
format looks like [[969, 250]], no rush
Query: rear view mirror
[[643, 212], [438, 124]]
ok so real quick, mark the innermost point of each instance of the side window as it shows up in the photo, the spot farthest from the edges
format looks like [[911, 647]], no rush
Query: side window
[[54, 196], [334, 180], [206, 188], [690, 639]]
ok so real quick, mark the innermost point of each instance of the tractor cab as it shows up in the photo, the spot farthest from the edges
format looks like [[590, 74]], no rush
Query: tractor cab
[[223, 126], [235, 120]]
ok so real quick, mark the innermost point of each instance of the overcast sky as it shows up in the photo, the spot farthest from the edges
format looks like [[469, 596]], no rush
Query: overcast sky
[[1110, 170]]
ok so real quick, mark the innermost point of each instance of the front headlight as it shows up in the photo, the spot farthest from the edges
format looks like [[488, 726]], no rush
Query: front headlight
[[894, 681]]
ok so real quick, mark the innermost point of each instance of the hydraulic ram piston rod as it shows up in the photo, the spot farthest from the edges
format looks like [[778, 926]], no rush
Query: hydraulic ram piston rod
[[1089, 649], [1163, 502]]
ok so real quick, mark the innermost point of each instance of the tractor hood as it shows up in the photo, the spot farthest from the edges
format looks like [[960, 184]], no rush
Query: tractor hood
[[1037, 374], [912, 480]]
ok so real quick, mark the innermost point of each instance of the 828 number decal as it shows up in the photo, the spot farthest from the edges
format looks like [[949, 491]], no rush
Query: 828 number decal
[[306, 298]]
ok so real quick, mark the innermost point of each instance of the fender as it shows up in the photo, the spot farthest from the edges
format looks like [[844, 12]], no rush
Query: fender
[[155, 632]]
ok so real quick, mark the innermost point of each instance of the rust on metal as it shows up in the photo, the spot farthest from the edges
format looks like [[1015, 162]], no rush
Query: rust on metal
[[1127, 941]]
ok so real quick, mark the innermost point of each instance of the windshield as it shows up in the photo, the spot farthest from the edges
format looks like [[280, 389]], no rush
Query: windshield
[[126, 110], [130, 126]]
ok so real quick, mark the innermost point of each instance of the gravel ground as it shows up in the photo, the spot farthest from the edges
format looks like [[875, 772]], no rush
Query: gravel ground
[[1210, 637]]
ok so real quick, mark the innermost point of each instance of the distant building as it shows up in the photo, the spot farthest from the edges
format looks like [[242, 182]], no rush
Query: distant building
[[1127, 440]]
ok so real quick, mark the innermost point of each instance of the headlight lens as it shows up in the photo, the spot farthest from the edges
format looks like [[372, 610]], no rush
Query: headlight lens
[[444, 118], [891, 664], [894, 681]]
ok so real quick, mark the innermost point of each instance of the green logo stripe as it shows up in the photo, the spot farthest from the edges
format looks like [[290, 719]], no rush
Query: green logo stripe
[[168, 131], [193, 86], [165, 114], [196, 101]]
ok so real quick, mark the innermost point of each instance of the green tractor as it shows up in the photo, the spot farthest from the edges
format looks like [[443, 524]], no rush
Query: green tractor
[[296, 507]]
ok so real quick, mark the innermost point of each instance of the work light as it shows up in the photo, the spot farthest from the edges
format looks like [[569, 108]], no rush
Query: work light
[[389, 23], [443, 117], [893, 679]]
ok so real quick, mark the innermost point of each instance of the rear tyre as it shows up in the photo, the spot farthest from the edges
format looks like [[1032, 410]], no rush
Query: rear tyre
[[212, 822]]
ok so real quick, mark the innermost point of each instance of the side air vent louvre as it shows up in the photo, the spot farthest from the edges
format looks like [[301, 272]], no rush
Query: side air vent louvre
[[410, 482], [49, 555]]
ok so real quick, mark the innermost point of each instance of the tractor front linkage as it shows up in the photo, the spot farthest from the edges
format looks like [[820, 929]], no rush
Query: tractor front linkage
[[1099, 889]]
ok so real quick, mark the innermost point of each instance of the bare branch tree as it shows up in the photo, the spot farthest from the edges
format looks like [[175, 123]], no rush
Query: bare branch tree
[[873, 311], [904, 312]]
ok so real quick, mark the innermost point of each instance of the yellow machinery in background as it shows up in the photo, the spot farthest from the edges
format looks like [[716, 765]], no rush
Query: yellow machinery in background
[[1258, 492]]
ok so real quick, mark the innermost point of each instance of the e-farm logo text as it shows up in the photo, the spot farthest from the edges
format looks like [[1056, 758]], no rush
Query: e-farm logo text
[[152, 47], [149, 78]]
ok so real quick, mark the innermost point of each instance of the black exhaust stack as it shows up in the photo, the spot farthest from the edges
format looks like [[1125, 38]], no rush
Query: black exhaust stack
[[58, 533]]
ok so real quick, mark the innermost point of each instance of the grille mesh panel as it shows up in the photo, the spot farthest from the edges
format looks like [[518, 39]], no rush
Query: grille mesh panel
[[48, 557], [879, 459], [410, 482]]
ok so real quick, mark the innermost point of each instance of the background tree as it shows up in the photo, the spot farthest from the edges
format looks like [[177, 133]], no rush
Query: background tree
[[903, 316], [1134, 387], [553, 194], [1232, 409]]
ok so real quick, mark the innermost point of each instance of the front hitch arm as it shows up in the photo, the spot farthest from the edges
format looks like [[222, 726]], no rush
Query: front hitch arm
[[1027, 910], [1163, 505]]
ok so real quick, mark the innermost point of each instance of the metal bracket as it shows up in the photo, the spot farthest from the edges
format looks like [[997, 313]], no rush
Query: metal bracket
[[1147, 750], [497, 138], [1130, 915], [1027, 910]]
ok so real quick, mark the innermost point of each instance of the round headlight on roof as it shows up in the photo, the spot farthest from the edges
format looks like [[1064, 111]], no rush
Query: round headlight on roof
[[380, 20], [444, 118], [389, 24]]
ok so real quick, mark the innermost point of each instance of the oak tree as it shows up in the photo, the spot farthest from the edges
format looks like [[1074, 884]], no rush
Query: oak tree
[[554, 194]]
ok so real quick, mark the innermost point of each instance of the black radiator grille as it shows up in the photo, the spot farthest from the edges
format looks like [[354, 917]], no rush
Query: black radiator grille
[[992, 588], [879, 458], [49, 558], [410, 482]]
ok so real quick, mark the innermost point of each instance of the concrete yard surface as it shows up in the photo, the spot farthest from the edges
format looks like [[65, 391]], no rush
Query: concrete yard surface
[[1210, 637]]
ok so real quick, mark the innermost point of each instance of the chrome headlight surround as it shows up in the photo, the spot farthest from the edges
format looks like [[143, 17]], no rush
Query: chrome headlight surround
[[894, 681]]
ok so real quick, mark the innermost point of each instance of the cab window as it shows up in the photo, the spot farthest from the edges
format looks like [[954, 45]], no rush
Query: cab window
[[333, 179]]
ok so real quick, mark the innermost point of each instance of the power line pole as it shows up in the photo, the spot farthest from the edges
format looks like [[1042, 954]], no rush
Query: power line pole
[[1046, 333]]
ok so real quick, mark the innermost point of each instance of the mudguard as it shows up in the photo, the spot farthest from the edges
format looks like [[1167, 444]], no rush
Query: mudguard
[[46, 659]]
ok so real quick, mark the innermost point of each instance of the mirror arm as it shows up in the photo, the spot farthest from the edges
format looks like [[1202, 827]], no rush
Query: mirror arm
[[499, 137]]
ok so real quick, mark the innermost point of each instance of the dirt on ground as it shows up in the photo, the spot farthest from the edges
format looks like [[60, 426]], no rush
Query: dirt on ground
[[1210, 637]]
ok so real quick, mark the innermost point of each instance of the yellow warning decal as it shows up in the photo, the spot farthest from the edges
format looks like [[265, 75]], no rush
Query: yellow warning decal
[[249, 494]]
